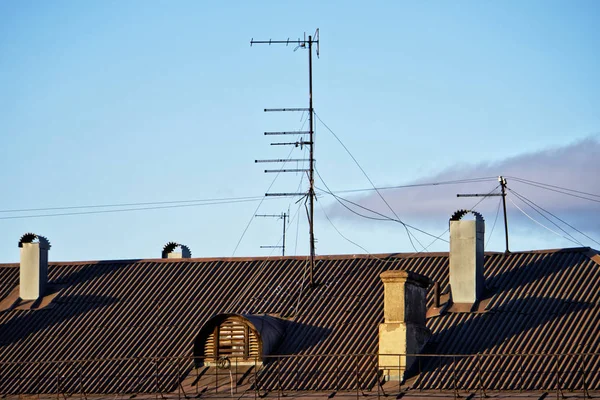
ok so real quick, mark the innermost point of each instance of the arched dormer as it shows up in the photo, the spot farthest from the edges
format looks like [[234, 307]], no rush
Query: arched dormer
[[243, 338]]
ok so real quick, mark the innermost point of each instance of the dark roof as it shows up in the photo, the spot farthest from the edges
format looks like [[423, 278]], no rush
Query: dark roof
[[538, 302]]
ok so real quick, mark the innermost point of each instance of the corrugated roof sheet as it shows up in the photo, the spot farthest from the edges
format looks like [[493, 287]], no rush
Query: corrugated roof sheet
[[541, 302]]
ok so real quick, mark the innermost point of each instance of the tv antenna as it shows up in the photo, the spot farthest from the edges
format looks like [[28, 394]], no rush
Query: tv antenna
[[300, 44], [502, 181], [286, 218]]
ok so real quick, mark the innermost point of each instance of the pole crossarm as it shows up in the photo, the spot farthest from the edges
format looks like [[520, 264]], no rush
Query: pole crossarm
[[502, 181]]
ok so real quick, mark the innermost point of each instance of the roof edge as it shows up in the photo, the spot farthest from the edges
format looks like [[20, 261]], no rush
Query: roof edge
[[384, 256]]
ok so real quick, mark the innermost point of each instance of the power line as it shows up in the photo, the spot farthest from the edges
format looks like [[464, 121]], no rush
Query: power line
[[330, 192], [371, 182], [494, 225], [455, 182], [544, 186], [385, 217], [137, 204], [338, 198], [127, 209], [340, 233], [554, 186], [535, 208], [525, 199], [436, 238], [540, 224], [130, 204]]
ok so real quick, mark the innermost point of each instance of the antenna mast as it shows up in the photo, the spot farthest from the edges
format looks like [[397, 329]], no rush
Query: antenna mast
[[300, 43], [284, 216]]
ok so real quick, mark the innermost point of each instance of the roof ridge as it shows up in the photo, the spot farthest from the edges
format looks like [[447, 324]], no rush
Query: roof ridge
[[383, 256]]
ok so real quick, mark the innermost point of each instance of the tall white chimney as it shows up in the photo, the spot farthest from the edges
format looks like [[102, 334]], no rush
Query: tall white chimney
[[33, 275], [466, 257]]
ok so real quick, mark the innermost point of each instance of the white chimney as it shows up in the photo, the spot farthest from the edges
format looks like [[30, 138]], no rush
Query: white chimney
[[466, 257], [170, 251], [33, 275]]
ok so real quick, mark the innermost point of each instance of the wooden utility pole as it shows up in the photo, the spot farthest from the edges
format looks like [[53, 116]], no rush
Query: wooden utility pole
[[502, 181]]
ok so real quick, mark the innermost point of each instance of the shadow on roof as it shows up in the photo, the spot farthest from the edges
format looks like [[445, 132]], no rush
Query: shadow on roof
[[493, 331], [31, 322], [538, 267], [73, 275]]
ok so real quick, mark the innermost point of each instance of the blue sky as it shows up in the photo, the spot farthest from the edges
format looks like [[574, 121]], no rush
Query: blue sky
[[106, 102]]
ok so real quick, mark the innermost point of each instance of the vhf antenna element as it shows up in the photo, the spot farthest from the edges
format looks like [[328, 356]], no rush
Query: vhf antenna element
[[286, 218], [300, 44]]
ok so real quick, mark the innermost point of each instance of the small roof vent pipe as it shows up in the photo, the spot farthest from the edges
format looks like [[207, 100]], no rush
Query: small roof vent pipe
[[170, 251], [33, 271]]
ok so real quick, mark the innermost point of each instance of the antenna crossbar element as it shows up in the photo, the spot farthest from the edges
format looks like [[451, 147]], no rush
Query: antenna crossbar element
[[288, 133], [298, 42], [286, 109], [270, 171], [479, 195], [281, 160], [284, 194], [291, 143], [272, 247]]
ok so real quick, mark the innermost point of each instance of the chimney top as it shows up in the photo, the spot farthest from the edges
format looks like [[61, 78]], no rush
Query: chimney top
[[459, 214], [169, 251], [33, 267], [392, 276], [32, 237]]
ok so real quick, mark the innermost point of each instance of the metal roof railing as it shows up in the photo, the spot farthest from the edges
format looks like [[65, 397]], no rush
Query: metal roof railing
[[347, 374]]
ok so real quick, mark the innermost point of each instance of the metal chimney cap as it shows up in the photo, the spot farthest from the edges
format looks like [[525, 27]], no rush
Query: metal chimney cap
[[31, 237], [459, 214], [170, 246]]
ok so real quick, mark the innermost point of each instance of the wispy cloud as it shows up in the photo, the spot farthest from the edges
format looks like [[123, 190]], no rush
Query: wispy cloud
[[575, 166]]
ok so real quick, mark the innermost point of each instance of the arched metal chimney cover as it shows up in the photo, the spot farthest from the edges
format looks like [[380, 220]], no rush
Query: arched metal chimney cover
[[30, 237], [459, 214], [170, 246]]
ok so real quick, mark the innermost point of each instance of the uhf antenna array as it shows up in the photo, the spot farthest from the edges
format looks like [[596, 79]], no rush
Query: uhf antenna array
[[310, 196], [286, 218]]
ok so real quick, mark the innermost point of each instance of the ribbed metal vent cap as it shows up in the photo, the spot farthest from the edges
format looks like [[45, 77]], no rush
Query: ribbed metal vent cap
[[32, 237], [171, 246], [459, 214]]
